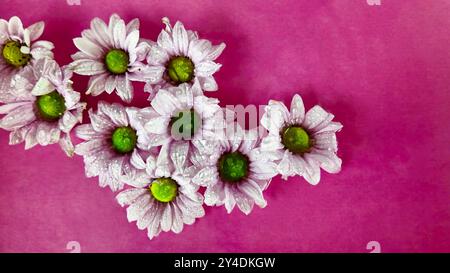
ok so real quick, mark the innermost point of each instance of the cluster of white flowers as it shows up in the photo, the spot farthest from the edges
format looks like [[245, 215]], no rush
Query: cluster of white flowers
[[159, 157]]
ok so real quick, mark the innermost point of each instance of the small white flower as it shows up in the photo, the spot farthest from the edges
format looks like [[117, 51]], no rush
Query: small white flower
[[20, 49], [111, 144], [179, 56], [162, 197], [183, 113], [235, 172], [112, 54], [303, 143], [42, 105]]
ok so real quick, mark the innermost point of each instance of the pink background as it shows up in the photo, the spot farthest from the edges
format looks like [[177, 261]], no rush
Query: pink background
[[384, 71]]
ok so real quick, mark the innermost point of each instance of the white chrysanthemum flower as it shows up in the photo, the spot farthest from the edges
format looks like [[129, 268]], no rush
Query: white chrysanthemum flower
[[163, 197], [112, 54], [303, 143], [111, 144], [179, 56], [236, 172], [19, 47], [183, 113], [42, 105]]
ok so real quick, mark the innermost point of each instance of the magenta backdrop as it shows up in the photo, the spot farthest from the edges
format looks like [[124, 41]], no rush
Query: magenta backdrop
[[384, 71]]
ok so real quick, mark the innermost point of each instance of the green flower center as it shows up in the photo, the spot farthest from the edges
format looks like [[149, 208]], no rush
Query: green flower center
[[180, 69], [124, 140], [117, 61], [51, 106], [13, 56], [164, 189], [185, 124], [296, 139], [233, 167]]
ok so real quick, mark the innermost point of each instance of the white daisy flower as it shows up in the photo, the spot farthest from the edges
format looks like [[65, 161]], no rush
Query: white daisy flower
[[110, 144], [112, 54], [42, 105], [179, 56], [236, 172], [183, 113], [303, 143], [163, 197], [19, 47]]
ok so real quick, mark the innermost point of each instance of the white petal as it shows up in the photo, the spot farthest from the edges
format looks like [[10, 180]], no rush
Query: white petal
[[328, 160], [253, 190], [132, 40], [311, 171], [163, 166], [47, 134], [215, 51], [285, 166], [157, 55], [177, 219], [115, 112], [209, 83], [15, 26], [110, 84], [297, 109], [165, 41], [166, 220], [178, 154], [86, 132], [128, 196], [18, 117], [66, 145], [96, 85], [206, 177], [206, 69], [275, 117], [316, 116], [165, 103], [6, 108], [42, 87], [88, 67], [137, 161], [119, 34], [88, 47], [180, 39], [36, 30], [124, 89], [229, 199], [67, 122], [133, 25], [100, 122], [157, 125]]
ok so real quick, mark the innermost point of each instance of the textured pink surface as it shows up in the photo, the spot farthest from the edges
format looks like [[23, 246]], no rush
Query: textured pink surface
[[384, 71]]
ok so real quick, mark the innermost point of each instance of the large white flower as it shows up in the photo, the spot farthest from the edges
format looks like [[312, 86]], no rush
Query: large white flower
[[42, 105], [303, 143], [162, 197], [235, 172], [183, 113], [110, 144], [179, 56], [112, 54], [20, 49]]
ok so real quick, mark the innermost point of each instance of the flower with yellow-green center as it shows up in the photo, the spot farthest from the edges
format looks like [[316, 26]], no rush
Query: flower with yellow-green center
[[43, 108], [162, 196], [234, 171], [302, 143], [111, 141], [183, 113], [180, 56], [112, 55], [19, 50]]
